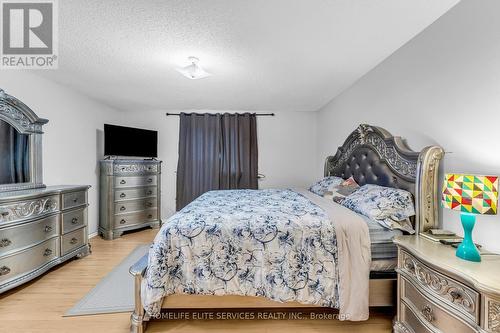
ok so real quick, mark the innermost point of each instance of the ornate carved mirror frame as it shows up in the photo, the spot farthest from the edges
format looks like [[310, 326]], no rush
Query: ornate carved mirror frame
[[25, 121]]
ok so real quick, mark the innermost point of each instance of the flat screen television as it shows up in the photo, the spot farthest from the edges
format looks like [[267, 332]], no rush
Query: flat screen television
[[129, 141]]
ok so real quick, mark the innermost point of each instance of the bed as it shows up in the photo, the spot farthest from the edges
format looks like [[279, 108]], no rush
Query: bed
[[277, 249]]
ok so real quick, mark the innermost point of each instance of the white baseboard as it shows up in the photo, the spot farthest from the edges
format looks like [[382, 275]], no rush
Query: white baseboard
[[92, 235]]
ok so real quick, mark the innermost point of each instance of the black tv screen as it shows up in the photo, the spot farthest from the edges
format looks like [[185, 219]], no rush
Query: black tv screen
[[129, 141]]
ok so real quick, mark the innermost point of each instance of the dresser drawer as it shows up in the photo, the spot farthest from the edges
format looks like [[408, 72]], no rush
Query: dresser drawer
[[135, 205], [430, 312], [25, 235], [409, 319], [73, 240], [124, 220], [491, 313], [30, 259], [444, 288], [127, 194], [136, 168], [123, 182], [74, 199], [73, 220], [28, 209]]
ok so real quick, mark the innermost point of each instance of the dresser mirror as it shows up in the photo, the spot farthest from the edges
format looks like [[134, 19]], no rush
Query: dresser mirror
[[20, 145]]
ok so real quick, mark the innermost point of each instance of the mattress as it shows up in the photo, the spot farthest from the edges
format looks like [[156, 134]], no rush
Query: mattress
[[383, 265], [382, 246]]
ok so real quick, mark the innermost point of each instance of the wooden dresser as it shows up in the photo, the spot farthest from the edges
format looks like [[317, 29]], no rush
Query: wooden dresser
[[439, 292], [130, 196], [40, 228]]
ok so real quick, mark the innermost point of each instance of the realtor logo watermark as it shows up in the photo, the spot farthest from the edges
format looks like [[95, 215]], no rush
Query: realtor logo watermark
[[29, 34]]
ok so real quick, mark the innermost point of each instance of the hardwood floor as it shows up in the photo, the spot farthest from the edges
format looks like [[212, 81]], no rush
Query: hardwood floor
[[38, 306]]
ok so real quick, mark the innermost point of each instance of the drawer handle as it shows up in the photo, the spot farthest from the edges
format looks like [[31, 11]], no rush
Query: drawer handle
[[47, 252], [149, 204], [150, 216], [409, 265], [47, 228], [5, 242], [122, 208], [149, 192], [4, 270], [427, 313], [455, 295], [123, 195], [150, 180], [74, 220], [75, 200], [122, 221], [123, 182], [73, 240]]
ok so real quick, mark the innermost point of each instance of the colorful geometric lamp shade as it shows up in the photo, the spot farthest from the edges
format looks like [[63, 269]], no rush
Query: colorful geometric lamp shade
[[471, 195]]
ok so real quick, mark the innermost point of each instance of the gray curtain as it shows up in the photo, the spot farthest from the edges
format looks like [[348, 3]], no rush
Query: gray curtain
[[14, 155], [216, 152]]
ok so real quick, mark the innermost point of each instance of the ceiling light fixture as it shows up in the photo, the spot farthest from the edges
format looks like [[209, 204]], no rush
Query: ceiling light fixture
[[193, 71]]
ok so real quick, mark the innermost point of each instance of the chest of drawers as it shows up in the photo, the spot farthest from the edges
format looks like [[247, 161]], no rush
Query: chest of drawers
[[439, 292], [130, 196], [39, 229]]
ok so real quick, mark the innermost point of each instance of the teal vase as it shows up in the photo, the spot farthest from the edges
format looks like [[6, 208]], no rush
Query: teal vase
[[467, 250]]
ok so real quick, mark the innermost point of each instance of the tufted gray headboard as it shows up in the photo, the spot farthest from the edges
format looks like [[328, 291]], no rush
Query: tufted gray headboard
[[372, 155]]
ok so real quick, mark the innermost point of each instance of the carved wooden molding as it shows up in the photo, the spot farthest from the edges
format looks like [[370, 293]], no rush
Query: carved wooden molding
[[455, 294], [391, 149], [26, 122], [427, 188], [19, 115], [8, 112], [134, 168], [112, 167], [493, 316], [28, 209], [399, 327]]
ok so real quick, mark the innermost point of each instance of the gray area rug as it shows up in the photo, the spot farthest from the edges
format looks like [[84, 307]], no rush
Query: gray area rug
[[114, 293]]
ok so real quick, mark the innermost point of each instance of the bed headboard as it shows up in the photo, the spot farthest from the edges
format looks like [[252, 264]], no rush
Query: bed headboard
[[373, 156]]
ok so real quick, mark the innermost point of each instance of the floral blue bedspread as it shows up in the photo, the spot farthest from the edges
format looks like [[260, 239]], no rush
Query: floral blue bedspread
[[271, 243]]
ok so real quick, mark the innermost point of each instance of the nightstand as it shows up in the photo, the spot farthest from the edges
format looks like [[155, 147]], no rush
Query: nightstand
[[439, 292]]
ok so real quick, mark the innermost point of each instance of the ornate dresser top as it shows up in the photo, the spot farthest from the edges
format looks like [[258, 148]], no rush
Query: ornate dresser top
[[130, 166], [31, 193], [483, 276]]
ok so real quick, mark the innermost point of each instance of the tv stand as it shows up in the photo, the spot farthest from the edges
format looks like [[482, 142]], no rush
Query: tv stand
[[130, 196]]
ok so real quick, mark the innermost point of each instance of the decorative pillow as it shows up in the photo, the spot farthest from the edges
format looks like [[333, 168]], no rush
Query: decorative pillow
[[388, 206], [325, 184], [346, 188]]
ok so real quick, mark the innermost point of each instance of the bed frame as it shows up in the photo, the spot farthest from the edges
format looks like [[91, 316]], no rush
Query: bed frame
[[372, 156]]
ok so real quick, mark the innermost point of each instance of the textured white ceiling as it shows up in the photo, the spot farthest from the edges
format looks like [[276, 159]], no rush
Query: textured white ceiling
[[264, 54]]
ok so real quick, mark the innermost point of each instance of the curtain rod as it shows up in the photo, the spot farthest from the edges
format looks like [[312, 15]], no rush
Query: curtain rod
[[257, 114]]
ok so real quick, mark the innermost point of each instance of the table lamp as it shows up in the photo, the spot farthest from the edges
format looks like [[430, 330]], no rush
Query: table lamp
[[471, 195]]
